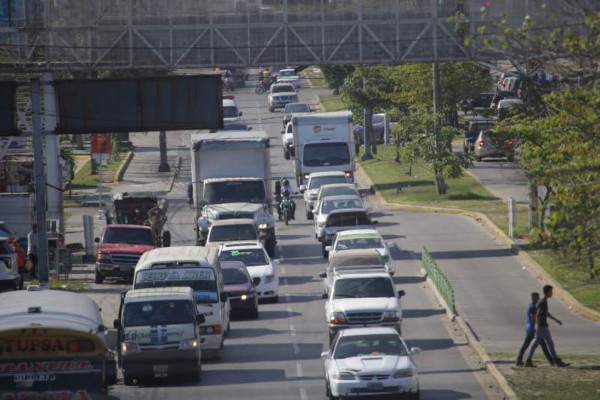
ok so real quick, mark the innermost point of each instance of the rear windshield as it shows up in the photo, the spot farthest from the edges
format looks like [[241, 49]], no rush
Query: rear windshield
[[160, 312], [330, 205], [250, 257], [128, 236], [361, 243], [351, 219], [230, 112], [338, 191], [230, 233], [318, 181]]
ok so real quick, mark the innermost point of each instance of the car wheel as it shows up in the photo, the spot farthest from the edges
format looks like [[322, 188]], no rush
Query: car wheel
[[98, 278], [286, 154], [309, 215], [195, 375], [324, 252], [254, 313], [275, 299], [271, 109], [127, 380], [478, 159], [511, 158], [328, 393], [415, 396]]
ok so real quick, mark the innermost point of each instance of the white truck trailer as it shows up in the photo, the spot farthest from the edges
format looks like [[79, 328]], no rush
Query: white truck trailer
[[323, 142], [231, 178]]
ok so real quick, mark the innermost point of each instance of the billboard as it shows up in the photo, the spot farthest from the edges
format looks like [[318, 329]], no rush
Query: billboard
[[139, 105]]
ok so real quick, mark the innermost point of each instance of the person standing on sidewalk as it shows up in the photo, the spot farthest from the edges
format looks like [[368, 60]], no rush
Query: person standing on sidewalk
[[542, 331], [32, 250], [20, 260], [530, 331]]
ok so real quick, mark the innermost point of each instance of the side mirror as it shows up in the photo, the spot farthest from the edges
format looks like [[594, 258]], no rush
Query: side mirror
[[368, 209], [200, 319], [401, 293], [117, 324], [324, 296], [223, 297], [282, 132], [276, 261], [323, 275], [302, 188], [325, 354], [249, 128], [415, 351], [374, 222], [97, 240], [240, 113], [389, 245], [327, 248], [315, 212]]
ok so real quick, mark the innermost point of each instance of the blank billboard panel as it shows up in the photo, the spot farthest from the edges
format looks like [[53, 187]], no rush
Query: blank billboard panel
[[8, 125], [139, 105]]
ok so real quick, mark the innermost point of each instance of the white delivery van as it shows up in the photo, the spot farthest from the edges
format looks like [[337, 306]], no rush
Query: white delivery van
[[323, 142], [159, 334], [198, 268]]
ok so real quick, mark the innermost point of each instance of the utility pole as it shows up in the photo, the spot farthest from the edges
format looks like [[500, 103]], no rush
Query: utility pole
[[367, 123], [53, 171], [39, 181], [162, 142]]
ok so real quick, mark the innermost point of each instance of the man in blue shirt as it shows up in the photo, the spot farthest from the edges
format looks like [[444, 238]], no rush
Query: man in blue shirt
[[530, 330]]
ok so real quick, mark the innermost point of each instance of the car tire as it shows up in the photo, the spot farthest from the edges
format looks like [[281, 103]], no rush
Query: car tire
[[254, 313], [286, 154], [271, 109], [98, 278], [511, 158], [328, 393], [195, 375], [415, 396], [309, 215], [275, 299], [324, 252], [478, 159], [128, 380]]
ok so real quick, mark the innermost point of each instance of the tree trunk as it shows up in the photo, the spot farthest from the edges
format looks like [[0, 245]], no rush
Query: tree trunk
[[544, 207], [397, 159], [440, 182], [534, 216], [368, 124]]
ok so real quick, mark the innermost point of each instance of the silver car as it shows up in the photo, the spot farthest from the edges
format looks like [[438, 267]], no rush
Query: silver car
[[489, 144]]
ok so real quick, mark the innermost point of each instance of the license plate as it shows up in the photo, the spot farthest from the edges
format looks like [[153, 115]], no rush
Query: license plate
[[125, 269], [374, 386], [160, 371]]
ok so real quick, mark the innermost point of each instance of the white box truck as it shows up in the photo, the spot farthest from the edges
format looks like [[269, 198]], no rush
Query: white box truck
[[231, 178], [323, 142]]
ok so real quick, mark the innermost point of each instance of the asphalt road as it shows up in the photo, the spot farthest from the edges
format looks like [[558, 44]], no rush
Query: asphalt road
[[278, 355]]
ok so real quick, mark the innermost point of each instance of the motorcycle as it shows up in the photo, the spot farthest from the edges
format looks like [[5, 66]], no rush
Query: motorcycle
[[286, 210], [263, 86]]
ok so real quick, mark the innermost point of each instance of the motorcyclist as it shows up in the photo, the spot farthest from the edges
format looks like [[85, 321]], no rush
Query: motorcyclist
[[287, 192]]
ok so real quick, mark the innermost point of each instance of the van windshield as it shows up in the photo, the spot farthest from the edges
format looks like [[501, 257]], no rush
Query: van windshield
[[159, 312], [201, 280], [326, 154]]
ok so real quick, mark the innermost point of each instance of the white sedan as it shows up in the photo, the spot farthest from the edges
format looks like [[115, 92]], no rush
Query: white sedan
[[331, 203], [370, 362], [363, 239]]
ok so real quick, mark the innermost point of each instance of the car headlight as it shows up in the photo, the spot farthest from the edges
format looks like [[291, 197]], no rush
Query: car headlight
[[343, 376], [103, 257], [405, 373], [337, 318], [269, 278], [210, 330], [247, 296], [391, 316], [188, 344], [129, 347], [348, 174]]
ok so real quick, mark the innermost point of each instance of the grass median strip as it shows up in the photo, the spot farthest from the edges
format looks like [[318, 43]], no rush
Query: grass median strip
[[316, 77], [84, 178], [466, 193], [579, 381], [331, 102]]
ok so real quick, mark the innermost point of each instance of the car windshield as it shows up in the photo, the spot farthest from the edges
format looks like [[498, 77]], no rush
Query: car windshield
[[229, 233], [337, 191], [160, 312], [326, 154], [234, 276], [359, 243], [330, 205], [382, 344], [363, 287], [296, 108], [250, 257], [128, 236], [348, 219], [230, 112], [282, 89], [317, 181], [234, 192]]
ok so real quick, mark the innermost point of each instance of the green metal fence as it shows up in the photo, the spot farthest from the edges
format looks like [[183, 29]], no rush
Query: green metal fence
[[440, 281]]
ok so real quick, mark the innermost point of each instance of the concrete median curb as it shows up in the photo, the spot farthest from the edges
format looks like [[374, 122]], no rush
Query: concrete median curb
[[123, 167]]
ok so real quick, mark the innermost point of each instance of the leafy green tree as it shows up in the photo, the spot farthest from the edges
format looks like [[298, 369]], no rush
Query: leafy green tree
[[417, 130], [460, 80], [336, 74]]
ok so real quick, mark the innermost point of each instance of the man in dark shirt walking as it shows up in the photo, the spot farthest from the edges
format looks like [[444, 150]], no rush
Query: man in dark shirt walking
[[542, 332], [530, 331]]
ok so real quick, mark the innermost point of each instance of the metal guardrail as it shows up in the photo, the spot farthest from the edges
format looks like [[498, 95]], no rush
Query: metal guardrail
[[441, 283]]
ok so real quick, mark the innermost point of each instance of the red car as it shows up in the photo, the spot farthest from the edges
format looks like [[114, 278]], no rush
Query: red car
[[240, 289]]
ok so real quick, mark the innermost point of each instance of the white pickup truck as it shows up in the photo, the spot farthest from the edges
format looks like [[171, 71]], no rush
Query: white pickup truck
[[362, 298]]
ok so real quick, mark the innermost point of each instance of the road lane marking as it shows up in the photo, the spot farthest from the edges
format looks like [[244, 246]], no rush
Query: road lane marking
[[299, 370], [303, 394]]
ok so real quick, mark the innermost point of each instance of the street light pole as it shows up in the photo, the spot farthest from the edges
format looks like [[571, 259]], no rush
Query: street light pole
[[162, 142]]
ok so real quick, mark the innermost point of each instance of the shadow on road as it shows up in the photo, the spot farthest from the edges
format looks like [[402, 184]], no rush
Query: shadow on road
[[420, 313], [271, 352], [431, 344], [275, 314], [432, 394], [460, 254], [298, 280]]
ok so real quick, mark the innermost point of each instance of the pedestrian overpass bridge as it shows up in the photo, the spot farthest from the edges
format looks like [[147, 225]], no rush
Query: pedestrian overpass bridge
[[52, 35]]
